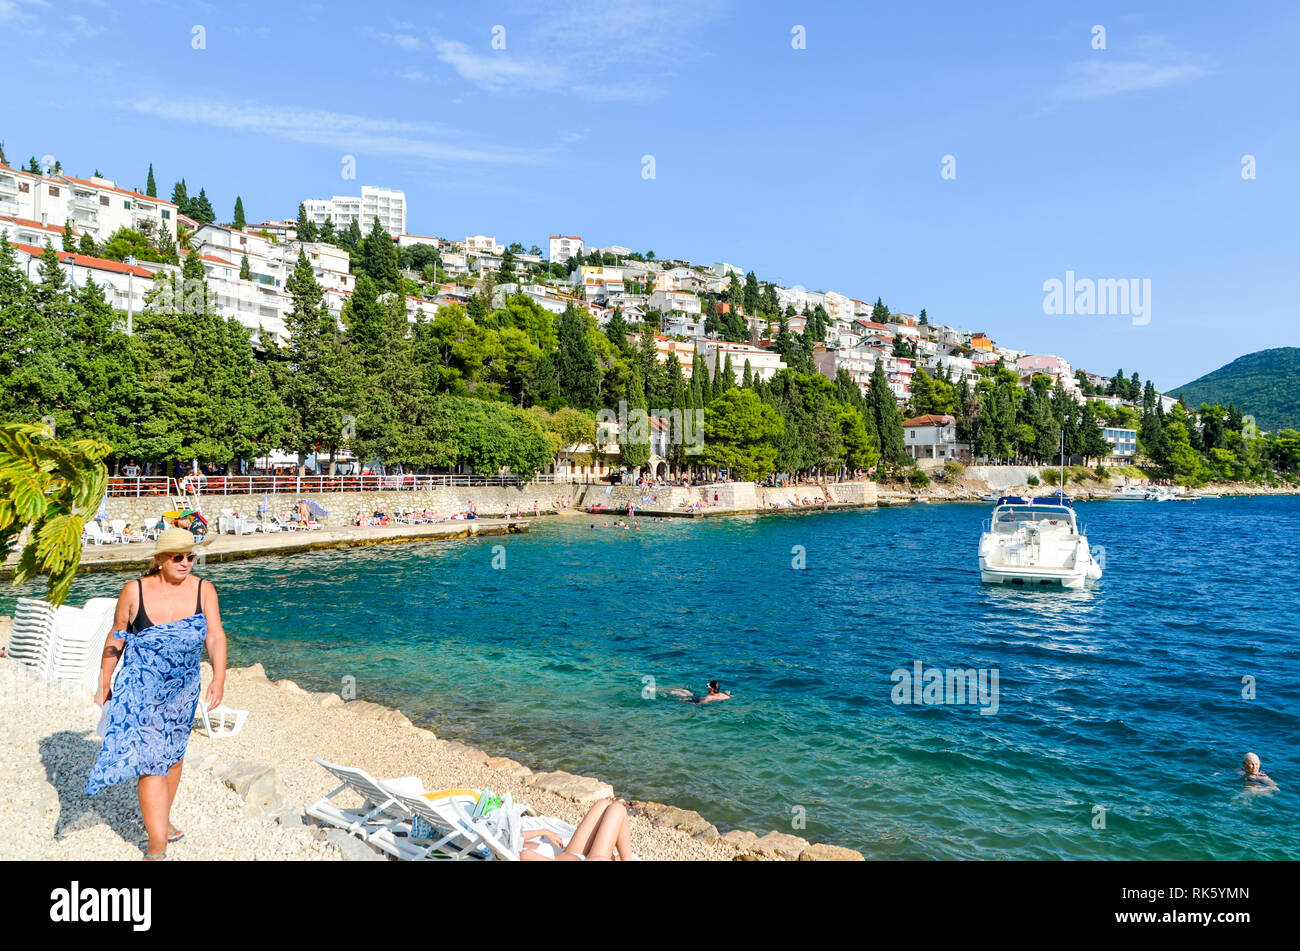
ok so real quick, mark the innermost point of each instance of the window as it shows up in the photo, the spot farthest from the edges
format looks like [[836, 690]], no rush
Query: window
[[24, 187], [103, 199], [54, 191], [166, 213], [126, 203]]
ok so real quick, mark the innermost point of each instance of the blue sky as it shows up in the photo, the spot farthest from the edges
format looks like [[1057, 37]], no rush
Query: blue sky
[[818, 166]]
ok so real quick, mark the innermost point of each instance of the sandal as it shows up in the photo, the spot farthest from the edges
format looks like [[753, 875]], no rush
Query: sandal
[[151, 857], [174, 834]]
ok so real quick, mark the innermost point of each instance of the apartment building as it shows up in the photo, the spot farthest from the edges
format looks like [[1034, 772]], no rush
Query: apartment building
[[124, 285], [476, 244], [763, 364], [563, 247], [599, 283], [94, 206], [666, 301], [386, 204]]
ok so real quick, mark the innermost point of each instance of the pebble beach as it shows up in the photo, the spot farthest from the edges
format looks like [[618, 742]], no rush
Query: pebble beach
[[244, 797]]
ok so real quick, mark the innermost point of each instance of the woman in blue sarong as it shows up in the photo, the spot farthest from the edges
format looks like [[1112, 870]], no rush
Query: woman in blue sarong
[[162, 623]]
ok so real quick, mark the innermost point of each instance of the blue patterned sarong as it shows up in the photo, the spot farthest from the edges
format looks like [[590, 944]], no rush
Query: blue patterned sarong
[[151, 710]]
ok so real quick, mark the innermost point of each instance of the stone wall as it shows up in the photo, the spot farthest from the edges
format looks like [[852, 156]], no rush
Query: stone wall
[[493, 500], [343, 506]]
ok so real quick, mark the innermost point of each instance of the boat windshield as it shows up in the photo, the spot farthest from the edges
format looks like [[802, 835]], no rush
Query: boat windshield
[[1008, 518]]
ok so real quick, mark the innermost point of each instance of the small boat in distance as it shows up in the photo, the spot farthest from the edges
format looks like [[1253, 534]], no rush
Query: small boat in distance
[[1036, 541], [990, 497], [1130, 493]]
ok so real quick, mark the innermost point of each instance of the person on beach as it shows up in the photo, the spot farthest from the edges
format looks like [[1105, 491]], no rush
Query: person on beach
[[162, 623], [603, 830], [1250, 769]]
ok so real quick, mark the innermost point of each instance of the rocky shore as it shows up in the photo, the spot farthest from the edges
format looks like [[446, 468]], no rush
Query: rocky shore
[[244, 797]]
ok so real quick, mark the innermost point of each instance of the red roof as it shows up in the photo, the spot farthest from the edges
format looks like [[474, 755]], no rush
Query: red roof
[[28, 223], [929, 419], [85, 260], [113, 188]]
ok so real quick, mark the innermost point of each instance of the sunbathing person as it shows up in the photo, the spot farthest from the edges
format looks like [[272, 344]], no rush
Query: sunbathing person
[[602, 831]]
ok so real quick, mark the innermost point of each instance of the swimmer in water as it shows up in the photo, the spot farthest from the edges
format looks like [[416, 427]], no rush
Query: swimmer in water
[[1254, 775], [715, 693]]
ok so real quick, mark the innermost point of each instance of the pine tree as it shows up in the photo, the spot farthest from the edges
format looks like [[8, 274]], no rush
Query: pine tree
[[576, 365], [889, 425], [240, 221], [313, 376], [202, 209], [86, 245], [181, 199], [379, 259], [69, 242], [245, 271], [151, 187]]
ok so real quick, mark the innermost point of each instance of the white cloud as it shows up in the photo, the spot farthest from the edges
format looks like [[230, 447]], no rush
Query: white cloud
[[343, 132], [1157, 64], [497, 70]]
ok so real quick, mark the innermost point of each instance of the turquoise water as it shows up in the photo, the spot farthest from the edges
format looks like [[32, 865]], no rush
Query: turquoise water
[[1127, 696]]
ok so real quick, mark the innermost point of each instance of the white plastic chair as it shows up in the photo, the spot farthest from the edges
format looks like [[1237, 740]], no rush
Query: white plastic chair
[[221, 721], [92, 532]]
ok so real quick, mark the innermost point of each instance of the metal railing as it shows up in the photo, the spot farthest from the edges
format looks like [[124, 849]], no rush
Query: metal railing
[[163, 486]]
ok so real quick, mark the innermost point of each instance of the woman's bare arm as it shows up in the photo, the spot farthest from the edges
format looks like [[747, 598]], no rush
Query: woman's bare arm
[[216, 644], [126, 608]]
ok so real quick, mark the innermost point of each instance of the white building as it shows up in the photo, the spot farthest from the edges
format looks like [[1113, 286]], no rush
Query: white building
[[411, 240], [723, 269], [763, 364], [838, 306], [666, 301], [564, 246], [94, 206], [933, 439], [124, 284], [617, 250], [599, 283], [386, 204], [483, 244]]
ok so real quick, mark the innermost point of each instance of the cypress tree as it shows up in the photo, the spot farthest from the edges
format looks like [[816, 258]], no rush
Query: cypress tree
[[576, 366], [245, 272], [151, 187], [69, 244], [240, 221], [884, 410]]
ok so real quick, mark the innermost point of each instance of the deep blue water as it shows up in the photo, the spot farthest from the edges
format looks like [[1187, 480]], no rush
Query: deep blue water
[[1127, 696]]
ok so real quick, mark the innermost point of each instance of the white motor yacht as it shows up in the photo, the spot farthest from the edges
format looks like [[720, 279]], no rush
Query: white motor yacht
[[1036, 542]]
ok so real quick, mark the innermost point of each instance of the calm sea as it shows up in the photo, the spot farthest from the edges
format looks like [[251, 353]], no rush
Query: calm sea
[[1123, 703]]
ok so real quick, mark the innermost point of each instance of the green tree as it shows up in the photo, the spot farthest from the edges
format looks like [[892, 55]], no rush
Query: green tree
[[576, 367], [240, 221], [888, 423], [49, 489], [151, 187], [740, 434], [379, 259]]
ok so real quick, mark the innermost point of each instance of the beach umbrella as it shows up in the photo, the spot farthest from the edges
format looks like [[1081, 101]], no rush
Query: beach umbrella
[[102, 514], [266, 504], [314, 507]]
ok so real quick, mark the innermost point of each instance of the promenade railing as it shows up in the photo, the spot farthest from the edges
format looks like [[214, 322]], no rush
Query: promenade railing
[[163, 486]]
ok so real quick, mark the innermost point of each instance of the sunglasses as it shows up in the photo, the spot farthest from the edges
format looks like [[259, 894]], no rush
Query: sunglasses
[[184, 556]]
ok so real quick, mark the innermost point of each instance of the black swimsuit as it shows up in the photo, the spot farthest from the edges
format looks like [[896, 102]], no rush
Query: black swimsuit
[[141, 620]]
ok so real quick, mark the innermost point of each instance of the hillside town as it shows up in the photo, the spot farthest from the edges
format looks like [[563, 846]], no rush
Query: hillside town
[[717, 317]]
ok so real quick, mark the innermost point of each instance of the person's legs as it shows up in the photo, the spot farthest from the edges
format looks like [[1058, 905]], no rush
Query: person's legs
[[611, 832], [587, 828], [155, 801], [173, 782]]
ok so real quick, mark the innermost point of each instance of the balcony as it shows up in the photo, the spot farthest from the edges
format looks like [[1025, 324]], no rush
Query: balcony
[[8, 185], [85, 200]]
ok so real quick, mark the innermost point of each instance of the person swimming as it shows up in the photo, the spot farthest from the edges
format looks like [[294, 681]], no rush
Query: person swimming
[[1253, 774], [715, 693]]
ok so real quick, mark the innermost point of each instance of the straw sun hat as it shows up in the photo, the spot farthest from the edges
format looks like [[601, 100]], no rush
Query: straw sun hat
[[174, 540]]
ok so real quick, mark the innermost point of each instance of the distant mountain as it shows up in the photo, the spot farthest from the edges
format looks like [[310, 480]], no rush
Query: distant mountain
[[1265, 384]]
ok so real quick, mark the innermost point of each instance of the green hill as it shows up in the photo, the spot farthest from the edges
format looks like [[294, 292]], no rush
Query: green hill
[[1265, 384]]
